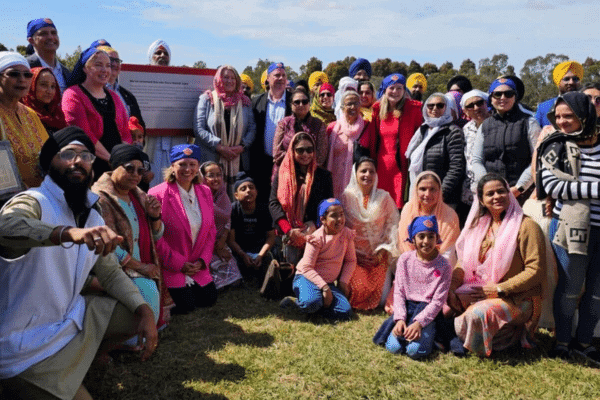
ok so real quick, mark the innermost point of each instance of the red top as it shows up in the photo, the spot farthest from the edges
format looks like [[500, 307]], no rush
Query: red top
[[384, 144]]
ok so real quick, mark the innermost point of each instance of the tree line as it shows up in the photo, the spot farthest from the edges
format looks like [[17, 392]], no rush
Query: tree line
[[536, 73]]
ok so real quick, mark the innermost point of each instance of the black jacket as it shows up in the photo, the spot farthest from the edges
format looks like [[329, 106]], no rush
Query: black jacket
[[34, 61], [322, 188], [131, 102], [445, 155]]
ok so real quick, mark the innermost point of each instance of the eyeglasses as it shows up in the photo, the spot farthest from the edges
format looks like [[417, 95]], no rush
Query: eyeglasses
[[115, 60], [131, 169], [213, 176], [299, 102], [594, 99], [570, 78], [509, 94], [302, 150], [478, 103], [70, 155], [18, 74], [439, 106], [325, 94], [349, 105]]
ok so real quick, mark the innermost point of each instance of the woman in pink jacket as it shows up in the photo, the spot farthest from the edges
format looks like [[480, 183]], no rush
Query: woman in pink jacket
[[187, 244], [88, 104]]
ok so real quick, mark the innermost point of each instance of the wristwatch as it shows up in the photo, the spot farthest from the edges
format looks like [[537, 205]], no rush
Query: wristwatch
[[500, 291], [325, 289]]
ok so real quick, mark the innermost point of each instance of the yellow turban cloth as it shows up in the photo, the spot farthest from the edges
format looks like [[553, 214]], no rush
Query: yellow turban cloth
[[248, 81], [263, 79], [414, 78], [317, 77], [561, 70]]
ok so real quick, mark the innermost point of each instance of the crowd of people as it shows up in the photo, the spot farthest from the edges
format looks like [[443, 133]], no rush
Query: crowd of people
[[442, 210]]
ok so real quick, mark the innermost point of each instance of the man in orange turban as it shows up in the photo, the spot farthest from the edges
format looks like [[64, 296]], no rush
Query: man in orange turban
[[567, 76]]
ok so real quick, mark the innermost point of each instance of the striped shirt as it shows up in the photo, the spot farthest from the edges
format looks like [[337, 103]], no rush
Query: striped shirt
[[587, 187]]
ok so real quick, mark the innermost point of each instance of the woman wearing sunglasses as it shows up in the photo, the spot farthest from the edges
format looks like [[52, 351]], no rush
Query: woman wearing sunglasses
[[297, 190], [322, 105], [505, 142], [438, 146], [19, 124], [136, 216], [301, 120]]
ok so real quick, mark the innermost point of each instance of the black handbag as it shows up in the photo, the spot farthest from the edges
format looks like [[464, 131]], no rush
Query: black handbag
[[278, 280], [360, 150]]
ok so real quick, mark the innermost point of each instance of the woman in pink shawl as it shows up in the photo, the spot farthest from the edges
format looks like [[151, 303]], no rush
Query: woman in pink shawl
[[223, 266], [342, 134], [497, 283]]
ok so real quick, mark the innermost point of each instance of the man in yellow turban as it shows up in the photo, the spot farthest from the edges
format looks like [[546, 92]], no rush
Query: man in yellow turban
[[417, 84], [247, 85], [315, 80], [567, 76]]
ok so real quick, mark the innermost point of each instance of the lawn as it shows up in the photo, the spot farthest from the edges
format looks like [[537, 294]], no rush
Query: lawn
[[247, 348]]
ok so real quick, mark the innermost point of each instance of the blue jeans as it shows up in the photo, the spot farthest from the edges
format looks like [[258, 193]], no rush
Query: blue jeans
[[310, 299], [573, 271], [418, 348]]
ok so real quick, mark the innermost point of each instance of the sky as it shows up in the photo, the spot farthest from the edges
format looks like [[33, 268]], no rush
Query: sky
[[240, 33]]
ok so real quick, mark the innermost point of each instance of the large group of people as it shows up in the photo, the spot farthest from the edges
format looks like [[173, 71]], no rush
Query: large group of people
[[388, 199]]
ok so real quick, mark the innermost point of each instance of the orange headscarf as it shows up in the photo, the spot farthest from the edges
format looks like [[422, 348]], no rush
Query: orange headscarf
[[293, 198], [447, 218]]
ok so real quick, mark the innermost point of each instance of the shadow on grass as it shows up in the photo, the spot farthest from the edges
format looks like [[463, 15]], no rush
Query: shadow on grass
[[182, 360]]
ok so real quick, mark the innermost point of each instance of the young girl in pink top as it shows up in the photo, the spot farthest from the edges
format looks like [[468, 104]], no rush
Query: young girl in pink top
[[420, 291], [329, 257]]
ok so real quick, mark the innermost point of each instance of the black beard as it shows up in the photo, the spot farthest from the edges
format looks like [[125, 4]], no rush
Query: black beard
[[417, 96], [75, 192]]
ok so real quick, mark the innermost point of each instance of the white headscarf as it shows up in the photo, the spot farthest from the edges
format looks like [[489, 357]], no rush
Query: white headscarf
[[416, 146], [10, 59], [470, 95], [158, 43], [346, 83], [378, 222]]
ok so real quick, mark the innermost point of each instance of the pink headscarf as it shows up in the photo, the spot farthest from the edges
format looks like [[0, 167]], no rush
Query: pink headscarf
[[229, 99], [500, 256]]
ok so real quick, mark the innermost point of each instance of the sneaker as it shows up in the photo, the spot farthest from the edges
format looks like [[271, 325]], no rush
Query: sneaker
[[288, 302], [590, 353], [560, 351]]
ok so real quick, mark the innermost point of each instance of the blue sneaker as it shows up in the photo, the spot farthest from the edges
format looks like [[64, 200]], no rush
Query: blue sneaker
[[288, 302], [393, 345]]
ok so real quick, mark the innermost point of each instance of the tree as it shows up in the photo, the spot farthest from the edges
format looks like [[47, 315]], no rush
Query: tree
[[591, 70], [199, 65], [22, 50], [3, 47], [382, 67], [467, 68], [338, 69], [446, 68], [400, 67], [69, 60], [537, 77], [429, 68], [414, 67], [312, 65]]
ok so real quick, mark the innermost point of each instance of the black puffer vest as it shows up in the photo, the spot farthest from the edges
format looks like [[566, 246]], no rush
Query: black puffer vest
[[506, 149]]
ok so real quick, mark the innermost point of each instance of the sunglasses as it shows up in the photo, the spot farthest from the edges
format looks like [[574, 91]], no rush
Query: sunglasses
[[17, 74], [509, 94], [594, 99], [439, 106], [70, 155], [570, 78], [115, 60], [478, 103], [299, 102], [131, 169], [325, 94], [302, 150]]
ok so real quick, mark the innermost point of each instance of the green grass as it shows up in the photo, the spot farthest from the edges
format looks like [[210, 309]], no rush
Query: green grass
[[247, 348]]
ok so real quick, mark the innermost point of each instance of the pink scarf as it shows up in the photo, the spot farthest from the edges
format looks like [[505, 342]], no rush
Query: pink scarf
[[500, 256], [229, 99]]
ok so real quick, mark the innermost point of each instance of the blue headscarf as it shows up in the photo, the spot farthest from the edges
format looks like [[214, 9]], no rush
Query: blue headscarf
[[99, 42], [78, 76], [274, 66], [324, 206], [425, 223], [389, 81], [36, 24], [500, 82], [359, 64]]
